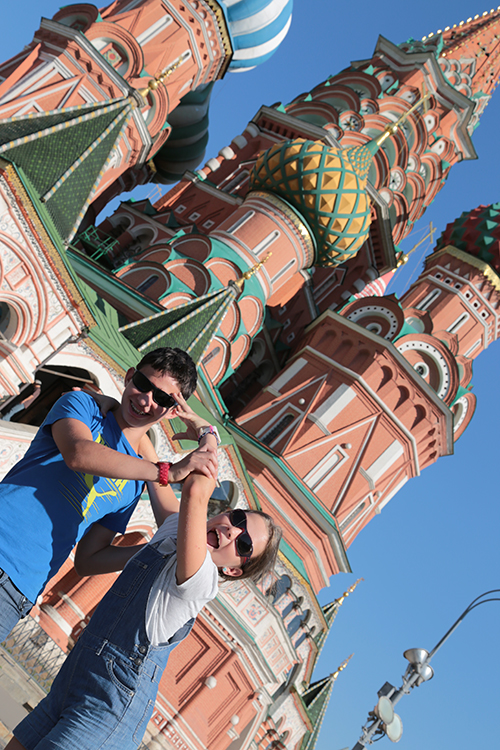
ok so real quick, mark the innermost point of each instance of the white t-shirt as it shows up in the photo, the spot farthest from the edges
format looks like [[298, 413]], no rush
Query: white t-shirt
[[171, 605]]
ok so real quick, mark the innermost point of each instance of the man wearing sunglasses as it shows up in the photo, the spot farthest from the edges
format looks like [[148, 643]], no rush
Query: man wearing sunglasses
[[84, 473]]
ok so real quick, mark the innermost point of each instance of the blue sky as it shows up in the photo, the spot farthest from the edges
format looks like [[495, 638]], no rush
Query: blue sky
[[434, 547]]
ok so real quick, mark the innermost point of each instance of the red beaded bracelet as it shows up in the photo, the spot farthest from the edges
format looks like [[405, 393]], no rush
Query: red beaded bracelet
[[163, 469]]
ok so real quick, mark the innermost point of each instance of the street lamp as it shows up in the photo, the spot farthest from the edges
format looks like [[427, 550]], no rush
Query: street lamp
[[383, 720]]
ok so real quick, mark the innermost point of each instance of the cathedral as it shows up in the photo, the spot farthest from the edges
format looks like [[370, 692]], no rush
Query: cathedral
[[269, 264]]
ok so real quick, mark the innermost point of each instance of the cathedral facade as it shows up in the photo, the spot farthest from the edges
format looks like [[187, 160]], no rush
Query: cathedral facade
[[269, 264]]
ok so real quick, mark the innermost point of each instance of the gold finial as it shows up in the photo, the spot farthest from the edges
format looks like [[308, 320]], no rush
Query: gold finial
[[342, 666], [340, 600], [251, 271], [392, 128], [155, 82]]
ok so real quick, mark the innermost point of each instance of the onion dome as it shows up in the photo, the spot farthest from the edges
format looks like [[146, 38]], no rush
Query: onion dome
[[256, 29], [476, 232], [326, 186]]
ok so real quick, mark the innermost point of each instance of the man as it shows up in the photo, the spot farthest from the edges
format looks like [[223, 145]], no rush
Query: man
[[83, 475]]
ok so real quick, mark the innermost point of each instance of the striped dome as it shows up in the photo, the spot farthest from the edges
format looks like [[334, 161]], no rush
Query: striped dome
[[256, 28]]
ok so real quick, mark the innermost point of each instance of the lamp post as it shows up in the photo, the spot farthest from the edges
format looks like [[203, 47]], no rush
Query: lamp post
[[383, 720]]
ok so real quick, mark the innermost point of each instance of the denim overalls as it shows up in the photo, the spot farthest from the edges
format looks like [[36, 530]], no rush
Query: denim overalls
[[104, 695]]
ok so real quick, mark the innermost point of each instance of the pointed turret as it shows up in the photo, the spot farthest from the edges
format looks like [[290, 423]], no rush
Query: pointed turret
[[316, 699], [469, 56], [64, 153], [191, 326], [330, 612]]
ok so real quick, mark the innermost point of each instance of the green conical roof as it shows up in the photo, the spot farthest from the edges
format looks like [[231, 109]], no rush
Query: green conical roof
[[190, 327], [316, 699], [64, 153], [112, 344]]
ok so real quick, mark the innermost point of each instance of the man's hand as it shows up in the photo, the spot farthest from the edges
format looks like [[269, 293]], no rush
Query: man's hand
[[105, 403], [193, 421], [201, 461]]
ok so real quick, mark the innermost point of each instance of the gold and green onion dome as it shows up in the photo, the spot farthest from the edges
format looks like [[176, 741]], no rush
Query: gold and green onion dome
[[326, 187]]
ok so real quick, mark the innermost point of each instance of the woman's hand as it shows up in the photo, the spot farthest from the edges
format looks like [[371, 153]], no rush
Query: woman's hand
[[201, 461], [193, 421]]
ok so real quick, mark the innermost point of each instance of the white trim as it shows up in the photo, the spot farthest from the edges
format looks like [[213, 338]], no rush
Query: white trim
[[392, 493], [266, 242], [427, 301], [239, 223], [458, 323], [332, 406], [473, 348], [286, 376], [281, 510], [284, 270], [326, 468], [384, 462], [154, 29]]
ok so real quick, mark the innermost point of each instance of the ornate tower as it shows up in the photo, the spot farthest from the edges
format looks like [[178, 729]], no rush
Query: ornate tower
[[98, 102], [112, 81], [241, 206], [327, 404]]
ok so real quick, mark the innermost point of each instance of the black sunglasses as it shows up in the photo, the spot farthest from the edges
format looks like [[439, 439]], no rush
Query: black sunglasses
[[243, 542], [144, 385]]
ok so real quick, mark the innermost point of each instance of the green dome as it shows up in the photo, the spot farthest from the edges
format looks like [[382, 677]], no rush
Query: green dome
[[326, 186]]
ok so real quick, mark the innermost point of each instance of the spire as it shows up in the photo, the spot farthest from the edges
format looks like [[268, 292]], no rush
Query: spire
[[64, 153], [330, 612], [191, 326], [316, 699], [476, 43], [469, 56]]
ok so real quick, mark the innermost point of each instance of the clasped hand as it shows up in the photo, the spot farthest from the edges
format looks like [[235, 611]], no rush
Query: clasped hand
[[204, 459]]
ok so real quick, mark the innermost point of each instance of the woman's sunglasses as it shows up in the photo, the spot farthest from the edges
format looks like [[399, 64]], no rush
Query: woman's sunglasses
[[144, 385], [243, 542]]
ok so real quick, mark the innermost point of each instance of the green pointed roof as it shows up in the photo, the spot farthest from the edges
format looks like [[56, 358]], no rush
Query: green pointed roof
[[112, 344], [64, 153], [316, 699], [190, 327]]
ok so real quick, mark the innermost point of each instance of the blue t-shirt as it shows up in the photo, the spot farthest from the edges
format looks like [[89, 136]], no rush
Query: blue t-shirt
[[46, 508]]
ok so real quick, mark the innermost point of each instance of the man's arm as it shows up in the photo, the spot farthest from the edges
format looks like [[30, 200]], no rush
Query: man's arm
[[80, 453], [163, 500], [95, 554]]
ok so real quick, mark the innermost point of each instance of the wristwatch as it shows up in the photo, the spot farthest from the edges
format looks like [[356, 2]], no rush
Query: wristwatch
[[209, 430]]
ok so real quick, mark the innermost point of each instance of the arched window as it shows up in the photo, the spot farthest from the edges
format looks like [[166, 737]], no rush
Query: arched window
[[8, 321], [278, 428], [282, 586], [427, 301], [458, 323], [295, 624], [147, 283]]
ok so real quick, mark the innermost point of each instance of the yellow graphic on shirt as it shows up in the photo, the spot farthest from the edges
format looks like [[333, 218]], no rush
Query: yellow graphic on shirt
[[86, 495]]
